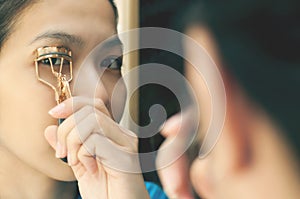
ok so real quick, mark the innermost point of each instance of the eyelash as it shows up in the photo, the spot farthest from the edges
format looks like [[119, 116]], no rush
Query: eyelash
[[54, 61], [111, 62]]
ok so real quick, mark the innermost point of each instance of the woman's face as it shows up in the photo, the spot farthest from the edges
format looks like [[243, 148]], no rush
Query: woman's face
[[25, 101]]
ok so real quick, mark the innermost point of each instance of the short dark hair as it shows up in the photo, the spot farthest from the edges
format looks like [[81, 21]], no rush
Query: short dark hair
[[114, 9], [10, 11]]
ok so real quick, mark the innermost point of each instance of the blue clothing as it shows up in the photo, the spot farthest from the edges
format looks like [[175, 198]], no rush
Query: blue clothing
[[155, 192]]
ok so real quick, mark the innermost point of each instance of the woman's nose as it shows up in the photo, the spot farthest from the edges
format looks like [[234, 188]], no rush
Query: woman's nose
[[87, 82]]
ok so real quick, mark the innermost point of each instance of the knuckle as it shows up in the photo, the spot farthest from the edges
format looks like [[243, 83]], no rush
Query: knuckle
[[99, 103], [73, 138], [94, 137], [81, 153], [99, 116], [88, 108], [92, 117], [60, 132], [76, 100], [85, 151], [70, 139]]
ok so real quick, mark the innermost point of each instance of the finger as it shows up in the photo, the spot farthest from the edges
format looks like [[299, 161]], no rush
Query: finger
[[181, 124], [87, 158], [113, 131], [179, 132], [67, 126], [78, 135], [71, 105], [89, 125], [79, 170], [176, 186], [108, 153], [50, 135]]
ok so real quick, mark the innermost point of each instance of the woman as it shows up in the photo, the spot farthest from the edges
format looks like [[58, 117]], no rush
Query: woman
[[30, 168]]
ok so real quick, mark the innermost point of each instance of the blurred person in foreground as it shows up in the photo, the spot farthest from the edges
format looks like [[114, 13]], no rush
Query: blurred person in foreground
[[254, 44]]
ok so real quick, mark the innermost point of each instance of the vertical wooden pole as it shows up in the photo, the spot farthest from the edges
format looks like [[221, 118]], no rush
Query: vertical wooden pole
[[129, 19]]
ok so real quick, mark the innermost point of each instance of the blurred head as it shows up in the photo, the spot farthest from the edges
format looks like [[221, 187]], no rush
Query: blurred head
[[25, 102], [254, 45]]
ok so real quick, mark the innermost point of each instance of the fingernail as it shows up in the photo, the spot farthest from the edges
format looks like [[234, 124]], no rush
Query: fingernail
[[58, 153], [57, 109]]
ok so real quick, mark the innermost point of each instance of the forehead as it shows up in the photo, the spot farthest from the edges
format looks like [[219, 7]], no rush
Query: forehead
[[84, 8], [92, 21]]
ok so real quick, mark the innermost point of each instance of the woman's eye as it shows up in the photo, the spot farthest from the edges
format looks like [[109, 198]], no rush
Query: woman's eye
[[55, 61], [112, 62]]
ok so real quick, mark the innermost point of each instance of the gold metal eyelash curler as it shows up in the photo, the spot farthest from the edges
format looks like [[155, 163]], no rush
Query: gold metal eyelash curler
[[53, 66]]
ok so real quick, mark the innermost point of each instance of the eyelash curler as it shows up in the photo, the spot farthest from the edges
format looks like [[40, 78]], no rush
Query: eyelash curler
[[53, 66]]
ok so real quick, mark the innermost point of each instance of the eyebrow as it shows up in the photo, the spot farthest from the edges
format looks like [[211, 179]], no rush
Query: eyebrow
[[66, 38]]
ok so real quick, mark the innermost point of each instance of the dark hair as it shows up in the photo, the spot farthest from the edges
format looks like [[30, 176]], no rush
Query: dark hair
[[259, 43], [10, 11], [114, 9]]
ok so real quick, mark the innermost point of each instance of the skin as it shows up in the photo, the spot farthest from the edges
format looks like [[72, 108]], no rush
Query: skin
[[251, 159], [30, 141]]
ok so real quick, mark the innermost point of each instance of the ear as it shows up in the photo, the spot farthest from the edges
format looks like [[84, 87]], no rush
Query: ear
[[232, 153], [234, 146], [237, 131]]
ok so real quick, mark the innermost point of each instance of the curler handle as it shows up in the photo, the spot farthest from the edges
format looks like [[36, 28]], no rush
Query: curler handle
[[63, 93], [60, 120]]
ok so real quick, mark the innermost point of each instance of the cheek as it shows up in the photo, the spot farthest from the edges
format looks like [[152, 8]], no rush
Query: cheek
[[117, 91], [118, 100], [23, 116], [200, 178], [24, 105], [24, 102]]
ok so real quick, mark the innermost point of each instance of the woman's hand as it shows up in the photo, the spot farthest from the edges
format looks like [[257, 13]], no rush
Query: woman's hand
[[175, 177], [102, 154]]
